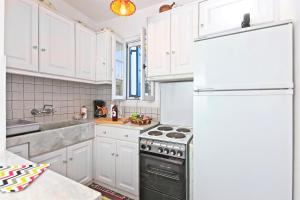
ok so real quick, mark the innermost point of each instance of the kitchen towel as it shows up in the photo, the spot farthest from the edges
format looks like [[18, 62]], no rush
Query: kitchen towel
[[16, 178]]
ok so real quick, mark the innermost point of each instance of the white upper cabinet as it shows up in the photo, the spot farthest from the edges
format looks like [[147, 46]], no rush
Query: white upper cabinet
[[57, 44], [80, 160], [21, 34], [85, 53], [170, 42], [127, 171], [182, 33], [159, 30], [221, 15], [104, 57], [119, 69]]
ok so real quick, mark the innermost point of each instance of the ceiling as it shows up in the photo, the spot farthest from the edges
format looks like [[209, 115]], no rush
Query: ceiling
[[99, 10]]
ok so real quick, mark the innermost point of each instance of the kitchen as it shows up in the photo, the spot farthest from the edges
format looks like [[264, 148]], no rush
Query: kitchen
[[198, 73]]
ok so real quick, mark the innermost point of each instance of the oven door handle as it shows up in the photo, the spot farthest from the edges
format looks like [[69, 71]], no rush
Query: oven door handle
[[163, 173], [175, 161]]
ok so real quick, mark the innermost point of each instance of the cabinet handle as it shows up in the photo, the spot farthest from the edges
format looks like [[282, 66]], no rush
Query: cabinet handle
[[202, 25], [43, 50], [173, 52], [112, 154], [71, 159], [104, 132], [117, 155], [126, 135], [65, 161], [35, 47], [168, 53]]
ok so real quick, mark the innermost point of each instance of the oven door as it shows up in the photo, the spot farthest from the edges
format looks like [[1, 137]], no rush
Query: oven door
[[162, 178]]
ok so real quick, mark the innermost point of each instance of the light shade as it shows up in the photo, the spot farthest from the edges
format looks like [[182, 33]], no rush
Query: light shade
[[122, 7]]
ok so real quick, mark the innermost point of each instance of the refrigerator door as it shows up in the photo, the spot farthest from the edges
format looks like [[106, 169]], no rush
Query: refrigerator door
[[256, 59], [243, 145]]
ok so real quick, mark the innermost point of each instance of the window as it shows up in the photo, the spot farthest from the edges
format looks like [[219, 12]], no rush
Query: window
[[134, 71], [138, 85]]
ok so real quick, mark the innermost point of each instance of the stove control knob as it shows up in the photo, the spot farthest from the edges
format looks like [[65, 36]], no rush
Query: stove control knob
[[143, 146], [179, 153], [166, 151], [148, 148], [173, 152], [160, 150]]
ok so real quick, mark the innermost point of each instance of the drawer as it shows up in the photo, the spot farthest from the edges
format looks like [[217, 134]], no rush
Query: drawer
[[118, 133]]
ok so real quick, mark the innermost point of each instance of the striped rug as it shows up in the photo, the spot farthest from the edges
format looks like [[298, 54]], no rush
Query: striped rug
[[108, 194], [16, 178]]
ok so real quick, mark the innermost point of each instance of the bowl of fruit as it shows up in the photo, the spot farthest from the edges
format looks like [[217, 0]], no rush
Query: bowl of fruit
[[139, 119]]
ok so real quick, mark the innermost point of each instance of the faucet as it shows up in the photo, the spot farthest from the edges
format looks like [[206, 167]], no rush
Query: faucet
[[47, 109]]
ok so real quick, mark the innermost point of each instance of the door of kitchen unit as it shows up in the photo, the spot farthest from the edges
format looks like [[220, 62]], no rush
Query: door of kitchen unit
[[80, 162], [243, 144], [21, 34], [159, 40], [85, 53], [105, 160], [182, 34], [104, 57], [127, 167], [223, 15], [56, 159], [57, 44]]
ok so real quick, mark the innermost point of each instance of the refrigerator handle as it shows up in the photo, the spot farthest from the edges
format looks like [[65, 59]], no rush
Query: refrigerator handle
[[203, 89]]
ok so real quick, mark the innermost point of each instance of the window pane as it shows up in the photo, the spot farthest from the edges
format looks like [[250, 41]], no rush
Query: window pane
[[135, 70]]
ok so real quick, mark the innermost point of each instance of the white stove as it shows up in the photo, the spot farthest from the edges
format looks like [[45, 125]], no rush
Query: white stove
[[167, 140]]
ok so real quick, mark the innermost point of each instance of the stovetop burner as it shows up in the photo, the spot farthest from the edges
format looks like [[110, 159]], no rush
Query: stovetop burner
[[155, 133], [165, 128], [175, 135], [184, 130]]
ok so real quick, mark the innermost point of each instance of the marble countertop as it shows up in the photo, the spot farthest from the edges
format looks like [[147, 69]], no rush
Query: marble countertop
[[49, 186], [132, 126]]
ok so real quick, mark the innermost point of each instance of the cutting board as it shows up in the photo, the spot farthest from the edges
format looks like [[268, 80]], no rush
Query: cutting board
[[110, 121]]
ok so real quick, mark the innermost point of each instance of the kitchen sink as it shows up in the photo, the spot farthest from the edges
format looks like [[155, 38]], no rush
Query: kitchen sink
[[17, 127], [57, 125]]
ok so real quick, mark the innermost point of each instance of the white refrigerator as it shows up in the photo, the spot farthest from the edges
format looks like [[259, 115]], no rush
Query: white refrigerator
[[243, 115]]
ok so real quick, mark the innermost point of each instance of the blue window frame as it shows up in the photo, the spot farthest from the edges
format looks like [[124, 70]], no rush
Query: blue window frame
[[134, 71]]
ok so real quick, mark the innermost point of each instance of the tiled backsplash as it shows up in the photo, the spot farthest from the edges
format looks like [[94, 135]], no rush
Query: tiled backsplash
[[26, 92]]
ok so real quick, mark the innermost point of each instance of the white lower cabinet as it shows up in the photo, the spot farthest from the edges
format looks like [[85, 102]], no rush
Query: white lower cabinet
[[80, 163], [105, 160], [56, 159], [75, 161], [116, 158], [127, 171], [20, 150]]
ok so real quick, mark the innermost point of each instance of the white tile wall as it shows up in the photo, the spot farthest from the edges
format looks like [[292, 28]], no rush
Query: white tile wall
[[25, 93]]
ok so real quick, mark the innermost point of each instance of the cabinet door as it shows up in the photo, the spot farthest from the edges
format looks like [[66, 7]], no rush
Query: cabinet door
[[221, 15], [104, 60], [159, 45], [118, 69], [21, 34], [20, 150], [182, 39], [127, 172], [105, 160], [85, 53], [56, 159], [80, 162], [57, 44]]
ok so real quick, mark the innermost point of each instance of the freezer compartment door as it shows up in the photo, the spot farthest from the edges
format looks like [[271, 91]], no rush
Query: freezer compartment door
[[243, 145], [255, 59]]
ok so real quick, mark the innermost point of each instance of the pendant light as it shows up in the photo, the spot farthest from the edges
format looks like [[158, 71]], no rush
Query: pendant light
[[122, 7]]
